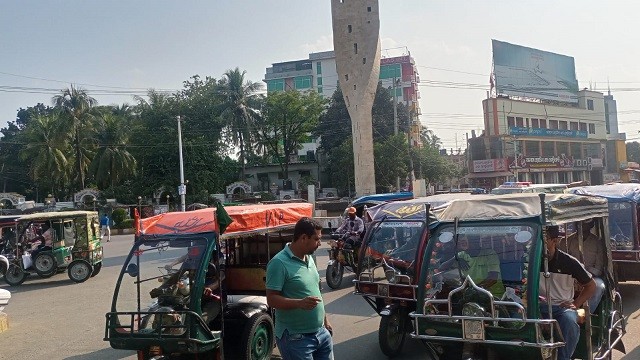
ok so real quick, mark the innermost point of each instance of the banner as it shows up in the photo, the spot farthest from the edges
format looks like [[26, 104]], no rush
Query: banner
[[489, 165], [536, 162], [527, 72], [522, 131]]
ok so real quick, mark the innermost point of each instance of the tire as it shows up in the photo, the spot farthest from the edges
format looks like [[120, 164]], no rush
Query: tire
[[257, 338], [45, 264], [392, 333], [79, 271], [15, 275], [96, 269], [3, 269], [334, 275]]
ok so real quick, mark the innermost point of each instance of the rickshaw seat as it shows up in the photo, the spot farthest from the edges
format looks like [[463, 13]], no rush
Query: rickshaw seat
[[247, 299]]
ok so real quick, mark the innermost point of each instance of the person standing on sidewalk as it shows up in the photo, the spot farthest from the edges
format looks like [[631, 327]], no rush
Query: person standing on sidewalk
[[104, 227], [302, 329]]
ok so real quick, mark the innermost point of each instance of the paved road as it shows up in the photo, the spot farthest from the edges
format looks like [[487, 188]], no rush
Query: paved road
[[57, 319]]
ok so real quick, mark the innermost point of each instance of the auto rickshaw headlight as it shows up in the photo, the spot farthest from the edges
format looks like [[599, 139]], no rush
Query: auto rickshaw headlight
[[473, 309], [155, 350]]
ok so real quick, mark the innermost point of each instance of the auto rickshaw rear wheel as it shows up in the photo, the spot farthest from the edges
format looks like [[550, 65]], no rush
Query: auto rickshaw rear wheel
[[45, 264], [96, 269], [79, 270], [392, 333], [257, 338], [15, 275]]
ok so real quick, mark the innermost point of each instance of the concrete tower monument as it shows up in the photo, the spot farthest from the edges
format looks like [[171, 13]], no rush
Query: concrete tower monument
[[356, 41]]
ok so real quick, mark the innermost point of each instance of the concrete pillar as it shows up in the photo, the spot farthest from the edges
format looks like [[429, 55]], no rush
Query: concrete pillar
[[356, 41]]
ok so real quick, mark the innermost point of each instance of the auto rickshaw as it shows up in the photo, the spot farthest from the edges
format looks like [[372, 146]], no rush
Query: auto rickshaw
[[173, 256], [389, 267], [459, 315], [75, 246], [624, 205]]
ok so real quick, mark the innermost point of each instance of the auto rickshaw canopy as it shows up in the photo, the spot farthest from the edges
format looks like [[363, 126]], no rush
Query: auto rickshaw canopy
[[613, 192]]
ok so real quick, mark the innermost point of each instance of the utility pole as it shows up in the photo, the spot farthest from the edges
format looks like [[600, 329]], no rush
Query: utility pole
[[395, 121], [182, 189]]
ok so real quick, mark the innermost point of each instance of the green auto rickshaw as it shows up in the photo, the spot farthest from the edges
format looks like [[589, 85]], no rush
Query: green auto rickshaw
[[50, 242], [461, 313]]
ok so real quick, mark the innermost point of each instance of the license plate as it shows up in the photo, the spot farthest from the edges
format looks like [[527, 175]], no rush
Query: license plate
[[472, 330]]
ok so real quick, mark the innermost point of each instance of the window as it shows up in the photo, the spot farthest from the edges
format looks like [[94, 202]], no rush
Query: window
[[275, 85], [543, 123], [511, 121], [534, 123], [562, 148], [562, 125], [364, 60], [320, 90], [548, 148], [592, 128], [573, 125], [583, 126], [302, 82], [349, 29], [532, 148], [519, 122], [319, 81], [589, 104], [346, 77], [576, 151], [355, 48], [368, 8], [354, 86], [319, 68], [553, 124], [577, 175]]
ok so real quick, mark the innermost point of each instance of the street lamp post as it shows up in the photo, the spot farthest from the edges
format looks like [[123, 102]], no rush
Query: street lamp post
[[140, 206], [182, 189], [168, 202]]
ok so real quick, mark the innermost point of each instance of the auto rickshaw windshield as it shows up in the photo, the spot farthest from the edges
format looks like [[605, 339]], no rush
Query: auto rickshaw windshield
[[154, 264], [496, 257], [395, 241]]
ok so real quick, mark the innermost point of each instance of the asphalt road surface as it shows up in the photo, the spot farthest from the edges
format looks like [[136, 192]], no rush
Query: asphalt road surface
[[58, 319]]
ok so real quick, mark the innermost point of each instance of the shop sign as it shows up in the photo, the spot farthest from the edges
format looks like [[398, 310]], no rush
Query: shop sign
[[532, 162], [489, 165], [523, 131]]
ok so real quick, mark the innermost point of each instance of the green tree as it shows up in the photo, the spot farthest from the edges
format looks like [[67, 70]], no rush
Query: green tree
[[240, 98], [77, 107], [391, 162], [429, 138], [287, 120], [112, 162], [47, 147]]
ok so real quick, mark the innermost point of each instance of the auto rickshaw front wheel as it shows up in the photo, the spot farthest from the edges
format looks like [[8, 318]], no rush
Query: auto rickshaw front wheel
[[15, 275], [79, 270], [392, 333], [257, 338], [46, 265]]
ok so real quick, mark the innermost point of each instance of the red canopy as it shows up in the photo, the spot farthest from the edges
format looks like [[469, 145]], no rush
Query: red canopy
[[189, 222], [261, 217]]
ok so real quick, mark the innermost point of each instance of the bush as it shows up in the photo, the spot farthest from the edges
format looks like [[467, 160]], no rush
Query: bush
[[126, 224], [119, 216]]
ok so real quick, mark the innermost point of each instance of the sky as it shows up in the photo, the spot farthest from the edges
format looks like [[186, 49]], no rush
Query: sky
[[116, 49]]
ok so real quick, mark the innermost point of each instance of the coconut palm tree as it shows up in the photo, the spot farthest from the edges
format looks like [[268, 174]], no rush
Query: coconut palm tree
[[77, 107], [429, 138], [239, 109], [112, 162], [48, 150]]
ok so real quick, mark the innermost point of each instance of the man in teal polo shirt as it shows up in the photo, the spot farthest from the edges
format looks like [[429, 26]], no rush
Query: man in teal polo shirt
[[302, 329]]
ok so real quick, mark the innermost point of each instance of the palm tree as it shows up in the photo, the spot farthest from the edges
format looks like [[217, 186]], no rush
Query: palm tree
[[77, 107], [48, 150], [239, 109], [112, 162], [429, 138]]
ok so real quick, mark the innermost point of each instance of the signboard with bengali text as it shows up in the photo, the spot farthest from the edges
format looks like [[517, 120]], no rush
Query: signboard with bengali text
[[522, 131]]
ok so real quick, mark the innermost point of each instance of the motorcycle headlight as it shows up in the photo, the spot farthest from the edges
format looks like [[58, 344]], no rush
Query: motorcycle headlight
[[472, 309]]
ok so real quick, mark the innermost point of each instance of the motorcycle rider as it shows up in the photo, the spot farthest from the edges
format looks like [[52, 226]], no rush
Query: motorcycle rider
[[352, 228]]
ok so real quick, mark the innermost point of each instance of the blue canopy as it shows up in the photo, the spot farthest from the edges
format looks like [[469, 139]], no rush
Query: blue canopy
[[382, 198], [613, 192]]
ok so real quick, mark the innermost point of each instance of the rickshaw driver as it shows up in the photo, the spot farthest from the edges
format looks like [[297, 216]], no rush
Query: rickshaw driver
[[564, 268], [46, 240], [592, 257], [481, 264]]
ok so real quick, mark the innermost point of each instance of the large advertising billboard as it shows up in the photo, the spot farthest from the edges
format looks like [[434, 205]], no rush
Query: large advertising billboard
[[533, 73]]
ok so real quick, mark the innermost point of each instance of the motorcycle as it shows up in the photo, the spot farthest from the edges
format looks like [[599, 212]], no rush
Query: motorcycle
[[172, 295], [341, 257]]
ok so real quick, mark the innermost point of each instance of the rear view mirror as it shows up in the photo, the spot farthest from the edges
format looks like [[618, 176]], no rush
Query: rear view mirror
[[445, 237], [523, 236], [132, 270]]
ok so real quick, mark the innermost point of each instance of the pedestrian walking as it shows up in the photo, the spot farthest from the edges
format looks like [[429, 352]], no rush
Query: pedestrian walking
[[104, 227], [302, 329]]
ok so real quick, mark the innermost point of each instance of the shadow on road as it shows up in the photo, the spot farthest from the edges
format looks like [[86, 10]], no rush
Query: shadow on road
[[361, 348], [35, 283], [106, 353]]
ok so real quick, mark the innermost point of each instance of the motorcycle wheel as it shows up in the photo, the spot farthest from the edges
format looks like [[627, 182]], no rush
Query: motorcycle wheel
[[46, 265], [79, 271], [334, 275], [257, 338], [392, 333], [15, 275]]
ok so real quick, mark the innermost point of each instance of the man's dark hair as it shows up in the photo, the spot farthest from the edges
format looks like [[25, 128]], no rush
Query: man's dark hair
[[553, 231], [305, 226]]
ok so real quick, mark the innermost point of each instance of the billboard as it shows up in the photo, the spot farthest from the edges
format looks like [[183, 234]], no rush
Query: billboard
[[522, 131], [533, 73]]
